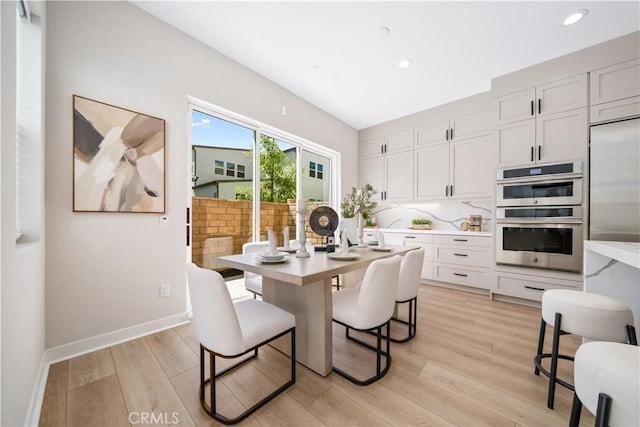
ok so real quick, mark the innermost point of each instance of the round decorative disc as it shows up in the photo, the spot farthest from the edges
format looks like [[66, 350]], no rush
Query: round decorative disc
[[323, 221]]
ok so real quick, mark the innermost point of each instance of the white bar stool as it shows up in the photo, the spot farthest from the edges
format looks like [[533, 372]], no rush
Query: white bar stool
[[607, 382], [593, 316]]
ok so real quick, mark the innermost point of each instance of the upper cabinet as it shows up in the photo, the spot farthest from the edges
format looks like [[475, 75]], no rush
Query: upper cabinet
[[615, 91], [453, 158], [463, 127], [387, 164], [547, 123], [551, 98], [395, 143]]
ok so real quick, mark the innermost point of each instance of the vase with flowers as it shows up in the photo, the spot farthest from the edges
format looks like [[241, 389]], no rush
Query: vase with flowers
[[358, 204]]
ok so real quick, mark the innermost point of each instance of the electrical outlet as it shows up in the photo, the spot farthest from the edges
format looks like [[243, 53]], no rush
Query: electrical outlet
[[164, 290]]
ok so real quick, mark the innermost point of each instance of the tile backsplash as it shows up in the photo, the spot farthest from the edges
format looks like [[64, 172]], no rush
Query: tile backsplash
[[445, 215]]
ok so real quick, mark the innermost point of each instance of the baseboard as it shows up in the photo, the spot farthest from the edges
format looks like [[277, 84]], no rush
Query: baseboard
[[37, 395], [88, 345], [78, 348]]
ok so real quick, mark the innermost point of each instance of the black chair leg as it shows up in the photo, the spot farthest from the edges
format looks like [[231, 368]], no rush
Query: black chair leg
[[554, 361], [543, 327], [631, 333], [603, 410], [576, 409]]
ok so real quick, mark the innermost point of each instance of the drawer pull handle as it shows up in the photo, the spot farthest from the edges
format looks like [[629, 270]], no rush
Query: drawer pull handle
[[460, 240], [409, 237], [460, 254], [460, 274], [533, 288]]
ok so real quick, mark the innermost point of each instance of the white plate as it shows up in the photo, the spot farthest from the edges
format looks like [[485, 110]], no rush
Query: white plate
[[290, 250], [277, 256], [343, 257], [383, 249], [272, 261]]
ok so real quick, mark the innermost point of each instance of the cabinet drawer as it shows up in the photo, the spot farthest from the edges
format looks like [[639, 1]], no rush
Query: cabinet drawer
[[477, 278], [417, 238], [462, 240], [527, 288], [628, 107], [466, 256]]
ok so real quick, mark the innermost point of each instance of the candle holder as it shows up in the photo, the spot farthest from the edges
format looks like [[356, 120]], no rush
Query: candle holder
[[302, 233], [360, 232]]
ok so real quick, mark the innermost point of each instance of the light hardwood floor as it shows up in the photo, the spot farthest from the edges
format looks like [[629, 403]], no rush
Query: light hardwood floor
[[470, 364]]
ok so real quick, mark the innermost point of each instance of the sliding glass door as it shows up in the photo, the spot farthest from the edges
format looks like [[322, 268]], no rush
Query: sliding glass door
[[232, 162]]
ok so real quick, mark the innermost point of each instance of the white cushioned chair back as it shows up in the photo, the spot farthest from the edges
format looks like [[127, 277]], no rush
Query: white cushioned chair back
[[377, 295], [214, 316], [611, 368], [410, 271], [251, 248]]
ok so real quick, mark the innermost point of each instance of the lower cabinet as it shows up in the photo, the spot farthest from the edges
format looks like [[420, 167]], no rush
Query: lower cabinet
[[463, 260], [425, 241], [530, 287]]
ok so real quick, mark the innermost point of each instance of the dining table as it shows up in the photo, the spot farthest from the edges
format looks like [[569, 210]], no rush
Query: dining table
[[303, 287]]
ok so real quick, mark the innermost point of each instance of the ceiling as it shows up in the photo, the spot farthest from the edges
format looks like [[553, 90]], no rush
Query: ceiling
[[333, 54]]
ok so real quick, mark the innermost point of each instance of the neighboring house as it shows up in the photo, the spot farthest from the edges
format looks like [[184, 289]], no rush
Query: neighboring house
[[218, 171]]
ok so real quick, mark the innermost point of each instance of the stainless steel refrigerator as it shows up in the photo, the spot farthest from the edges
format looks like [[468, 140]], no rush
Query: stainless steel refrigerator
[[614, 181]]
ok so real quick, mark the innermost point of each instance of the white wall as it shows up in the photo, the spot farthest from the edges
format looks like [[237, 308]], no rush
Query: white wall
[[103, 270], [22, 265]]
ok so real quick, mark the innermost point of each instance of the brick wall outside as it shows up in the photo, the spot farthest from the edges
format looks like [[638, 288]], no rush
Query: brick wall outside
[[221, 218]]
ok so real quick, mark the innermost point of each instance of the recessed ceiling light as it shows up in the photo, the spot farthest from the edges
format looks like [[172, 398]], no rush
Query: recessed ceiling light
[[405, 63], [383, 32], [576, 16]]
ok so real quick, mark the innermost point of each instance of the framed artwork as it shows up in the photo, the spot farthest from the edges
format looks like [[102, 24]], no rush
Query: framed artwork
[[118, 159]]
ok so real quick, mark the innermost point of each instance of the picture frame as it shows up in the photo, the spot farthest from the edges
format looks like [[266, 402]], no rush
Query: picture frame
[[118, 159]]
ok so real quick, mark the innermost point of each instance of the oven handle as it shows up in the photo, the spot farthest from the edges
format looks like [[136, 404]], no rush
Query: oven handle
[[529, 221], [548, 178]]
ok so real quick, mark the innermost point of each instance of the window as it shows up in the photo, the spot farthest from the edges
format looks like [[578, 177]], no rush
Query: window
[[231, 169], [240, 171], [312, 169], [219, 169], [320, 173]]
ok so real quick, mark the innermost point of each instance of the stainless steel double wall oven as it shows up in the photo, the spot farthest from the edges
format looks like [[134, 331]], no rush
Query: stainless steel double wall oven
[[539, 216]]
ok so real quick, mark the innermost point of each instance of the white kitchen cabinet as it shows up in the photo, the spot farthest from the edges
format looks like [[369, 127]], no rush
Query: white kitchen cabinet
[[544, 124], [395, 143], [463, 127], [616, 82], [551, 98], [387, 164], [425, 241], [529, 287], [472, 172], [390, 174], [432, 172], [459, 169], [614, 110], [463, 260], [550, 138]]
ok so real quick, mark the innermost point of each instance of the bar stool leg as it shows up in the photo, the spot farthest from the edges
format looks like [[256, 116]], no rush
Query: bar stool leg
[[576, 409], [631, 333], [543, 327], [554, 361], [603, 410]]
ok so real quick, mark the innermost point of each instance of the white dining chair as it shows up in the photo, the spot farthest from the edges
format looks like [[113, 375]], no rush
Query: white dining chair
[[252, 281], [369, 307], [229, 330], [408, 285]]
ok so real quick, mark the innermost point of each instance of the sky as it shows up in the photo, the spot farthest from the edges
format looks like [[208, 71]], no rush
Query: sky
[[214, 132], [211, 131]]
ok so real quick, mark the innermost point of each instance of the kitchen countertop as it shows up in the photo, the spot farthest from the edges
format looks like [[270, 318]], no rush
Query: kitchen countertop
[[450, 232], [625, 252]]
